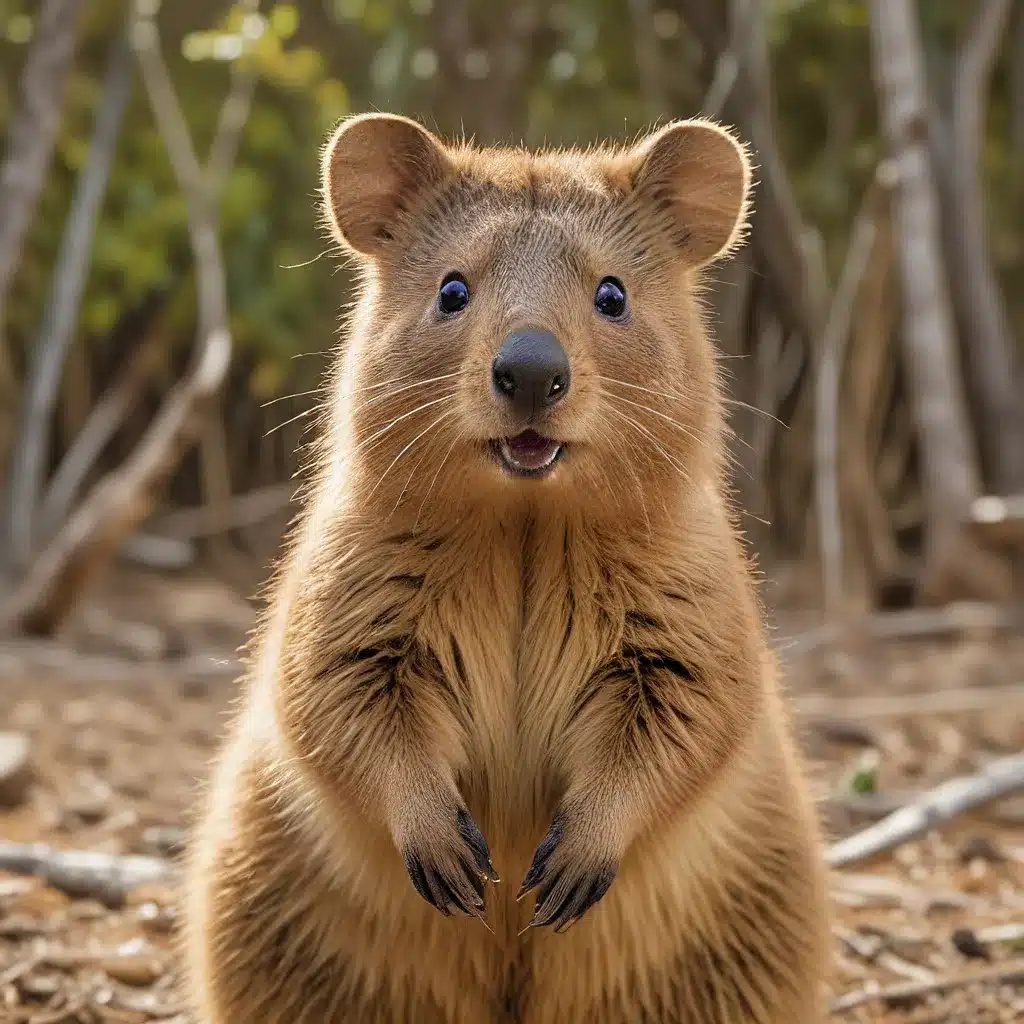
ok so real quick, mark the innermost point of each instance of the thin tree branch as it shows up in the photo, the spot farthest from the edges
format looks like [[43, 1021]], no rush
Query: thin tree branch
[[105, 417]]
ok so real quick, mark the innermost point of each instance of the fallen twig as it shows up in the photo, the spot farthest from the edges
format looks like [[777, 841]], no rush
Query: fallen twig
[[1008, 971], [947, 801], [83, 874], [24, 658], [909, 624], [863, 890], [238, 511], [932, 702]]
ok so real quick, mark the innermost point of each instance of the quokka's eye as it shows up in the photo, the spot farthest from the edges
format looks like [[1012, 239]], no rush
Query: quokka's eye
[[610, 298], [453, 294]]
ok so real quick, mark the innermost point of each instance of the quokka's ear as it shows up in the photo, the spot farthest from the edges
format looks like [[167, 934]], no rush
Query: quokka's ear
[[373, 168], [696, 176]]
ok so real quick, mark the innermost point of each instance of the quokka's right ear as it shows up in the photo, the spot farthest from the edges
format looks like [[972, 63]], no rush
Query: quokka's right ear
[[696, 178], [373, 169]]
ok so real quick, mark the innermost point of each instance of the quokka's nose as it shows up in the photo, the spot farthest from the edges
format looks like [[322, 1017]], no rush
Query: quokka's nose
[[531, 370]]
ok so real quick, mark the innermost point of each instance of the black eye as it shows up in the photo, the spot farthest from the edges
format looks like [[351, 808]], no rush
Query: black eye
[[610, 298], [454, 294]]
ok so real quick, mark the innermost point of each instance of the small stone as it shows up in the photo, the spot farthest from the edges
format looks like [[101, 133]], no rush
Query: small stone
[[40, 986], [156, 919], [133, 968], [163, 840], [87, 910], [21, 926], [89, 805], [980, 848], [966, 942], [15, 768]]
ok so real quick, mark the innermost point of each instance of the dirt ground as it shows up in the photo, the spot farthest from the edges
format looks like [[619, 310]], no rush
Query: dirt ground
[[116, 765]]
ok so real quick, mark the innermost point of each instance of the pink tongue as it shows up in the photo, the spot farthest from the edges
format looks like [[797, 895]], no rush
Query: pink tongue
[[531, 450]]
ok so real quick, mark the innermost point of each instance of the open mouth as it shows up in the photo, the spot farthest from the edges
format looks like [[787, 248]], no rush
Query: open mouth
[[528, 453]]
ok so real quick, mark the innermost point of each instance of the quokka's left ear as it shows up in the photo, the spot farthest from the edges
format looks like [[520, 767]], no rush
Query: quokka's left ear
[[696, 176]]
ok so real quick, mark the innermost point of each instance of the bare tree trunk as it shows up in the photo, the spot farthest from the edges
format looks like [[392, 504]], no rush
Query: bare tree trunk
[[982, 310], [125, 497], [829, 370], [69, 275], [949, 470], [33, 133]]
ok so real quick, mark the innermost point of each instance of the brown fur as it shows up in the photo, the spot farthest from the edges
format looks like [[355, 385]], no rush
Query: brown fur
[[578, 660]]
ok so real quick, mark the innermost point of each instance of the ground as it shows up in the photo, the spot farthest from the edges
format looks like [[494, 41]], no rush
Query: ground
[[117, 763]]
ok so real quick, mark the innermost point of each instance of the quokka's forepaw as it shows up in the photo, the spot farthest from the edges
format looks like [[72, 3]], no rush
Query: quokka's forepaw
[[450, 871], [568, 884]]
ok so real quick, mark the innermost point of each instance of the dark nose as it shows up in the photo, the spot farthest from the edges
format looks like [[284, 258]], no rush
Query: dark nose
[[531, 370]]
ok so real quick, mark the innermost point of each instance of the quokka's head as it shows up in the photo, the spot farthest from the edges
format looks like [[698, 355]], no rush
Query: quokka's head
[[529, 324]]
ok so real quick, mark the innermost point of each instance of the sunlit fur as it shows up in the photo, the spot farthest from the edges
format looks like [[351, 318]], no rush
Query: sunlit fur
[[441, 633]]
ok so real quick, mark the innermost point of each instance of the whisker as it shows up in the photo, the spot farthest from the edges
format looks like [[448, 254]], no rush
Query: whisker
[[636, 387], [409, 387], [640, 427], [293, 419], [668, 419], [639, 484], [376, 435], [409, 445], [297, 394], [754, 409], [380, 384], [297, 266], [451, 448]]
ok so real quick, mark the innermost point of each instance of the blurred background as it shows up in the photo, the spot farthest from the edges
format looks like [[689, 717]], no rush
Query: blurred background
[[870, 332], [168, 307]]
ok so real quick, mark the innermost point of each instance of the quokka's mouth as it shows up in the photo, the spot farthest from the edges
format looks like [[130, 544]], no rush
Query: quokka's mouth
[[528, 453]]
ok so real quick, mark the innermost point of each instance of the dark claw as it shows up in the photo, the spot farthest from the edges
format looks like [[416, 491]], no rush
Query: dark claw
[[450, 893], [418, 874], [461, 886], [563, 896], [584, 900], [543, 854], [474, 839]]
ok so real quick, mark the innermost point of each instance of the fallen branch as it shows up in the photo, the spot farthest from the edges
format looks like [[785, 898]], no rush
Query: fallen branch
[[875, 806], [942, 804], [85, 875], [1009, 971]]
